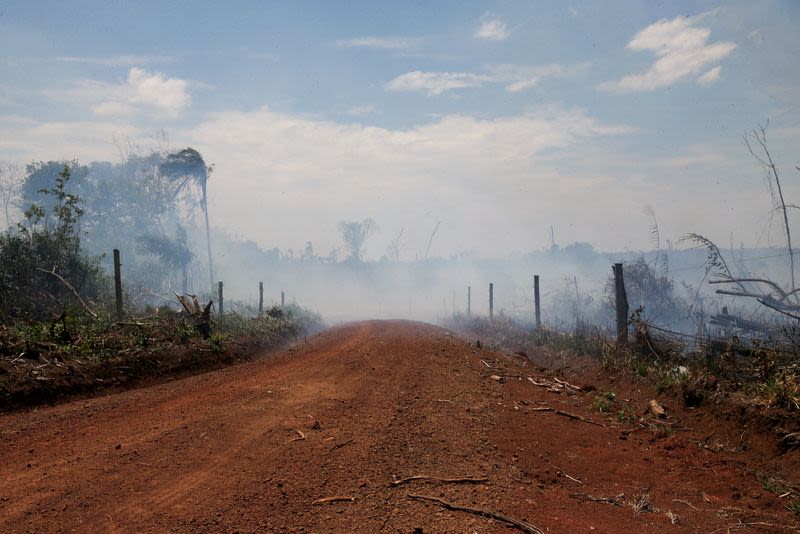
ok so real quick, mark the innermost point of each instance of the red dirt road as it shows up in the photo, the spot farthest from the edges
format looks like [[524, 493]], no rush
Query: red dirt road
[[218, 452]]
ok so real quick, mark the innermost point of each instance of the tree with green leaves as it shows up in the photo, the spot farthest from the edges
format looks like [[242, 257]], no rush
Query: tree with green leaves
[[42, 265], [37, 188]]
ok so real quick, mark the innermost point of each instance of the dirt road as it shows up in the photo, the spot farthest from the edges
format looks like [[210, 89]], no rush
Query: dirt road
[[252, 447]]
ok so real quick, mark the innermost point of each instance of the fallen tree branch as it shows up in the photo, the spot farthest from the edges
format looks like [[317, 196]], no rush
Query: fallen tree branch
[[566, 475], [726, 319], [71, 288], [579, 418], [340, 445], [567, 384], [524, 526], [740, 294], [329, 500], [770, 283], [463, 480], [617, 500], [183, 302], [766, 303]]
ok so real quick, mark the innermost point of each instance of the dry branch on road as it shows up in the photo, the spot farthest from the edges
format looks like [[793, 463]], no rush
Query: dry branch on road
[[521, 525], [567, 415], [330, 500], [464, 480]]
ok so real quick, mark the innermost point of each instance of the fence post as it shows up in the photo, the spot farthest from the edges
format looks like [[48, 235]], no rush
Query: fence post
[[118, 284], [219, 297], [491, 301], [260, 299], [283, 298], [537, 305], [621, 304], [469, 301]]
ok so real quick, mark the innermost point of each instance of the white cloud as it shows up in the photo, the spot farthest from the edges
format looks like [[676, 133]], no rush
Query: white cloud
[[710, 77], [142, 90], [516, 78], [112, 108], [360, 111], [492, 28], [435, 83], [288, 163], [122, 60], [374, 42], [698, 156], [682, 50], [24, 139], [169, 94], [521, 77]]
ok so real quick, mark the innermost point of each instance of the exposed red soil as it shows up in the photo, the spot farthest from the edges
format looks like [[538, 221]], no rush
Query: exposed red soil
[[218, 452], [727, 420]]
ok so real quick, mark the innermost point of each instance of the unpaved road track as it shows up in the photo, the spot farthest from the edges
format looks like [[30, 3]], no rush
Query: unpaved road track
[[218, 452]]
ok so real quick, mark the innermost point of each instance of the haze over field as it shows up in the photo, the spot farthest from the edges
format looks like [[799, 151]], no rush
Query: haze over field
[[497, 119], [527, 237]]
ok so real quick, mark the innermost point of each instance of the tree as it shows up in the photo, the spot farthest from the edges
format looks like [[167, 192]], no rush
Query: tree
[[126, 201], [395, 246], [10, 188], [39, 179], [762, 155], [354, 235], [42, 263], [173, 252], [766, 292], [184, 168]]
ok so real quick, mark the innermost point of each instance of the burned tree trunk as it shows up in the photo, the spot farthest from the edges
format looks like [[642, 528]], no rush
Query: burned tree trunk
[[201, 317]]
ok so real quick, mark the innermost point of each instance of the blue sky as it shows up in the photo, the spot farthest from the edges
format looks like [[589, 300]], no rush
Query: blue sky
[[496, 118]]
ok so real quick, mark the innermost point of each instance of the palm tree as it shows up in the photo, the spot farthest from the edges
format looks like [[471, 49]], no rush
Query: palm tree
[[173, 252], [184, 168]]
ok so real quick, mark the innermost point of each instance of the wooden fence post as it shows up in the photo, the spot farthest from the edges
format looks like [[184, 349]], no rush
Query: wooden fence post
[[537, 305], [469, 301], [491, 301], [219, 297], [118, 284], [283, 298], [621, 299], [260, 299]]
